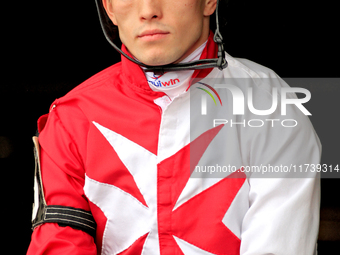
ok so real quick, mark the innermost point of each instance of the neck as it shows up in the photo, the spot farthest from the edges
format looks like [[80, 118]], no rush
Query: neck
[[174, 83]]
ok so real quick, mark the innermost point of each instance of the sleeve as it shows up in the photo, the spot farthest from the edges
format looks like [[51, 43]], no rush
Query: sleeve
[[283, 214], [62, 175]]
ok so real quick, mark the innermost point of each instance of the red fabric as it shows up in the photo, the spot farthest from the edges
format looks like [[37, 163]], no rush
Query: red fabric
[[120, 99], [42, 122], [101, 220], [136, 248], [206, 211], [51, 239], [210, 51], [119, 176], [191, 220]]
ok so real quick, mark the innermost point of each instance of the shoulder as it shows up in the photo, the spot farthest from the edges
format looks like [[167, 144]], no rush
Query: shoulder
[[98, 80], [81, 98], [248, 73], [76, 105], [245, 68]]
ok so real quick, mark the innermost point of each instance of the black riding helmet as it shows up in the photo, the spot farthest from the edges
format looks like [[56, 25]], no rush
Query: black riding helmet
[[111, 31]]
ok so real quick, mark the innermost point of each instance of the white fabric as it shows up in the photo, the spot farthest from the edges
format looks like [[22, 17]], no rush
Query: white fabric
[[117, 205], [276, 216], [190, 249], [174, 83], [171, 127], [119, 232], [283, 214]]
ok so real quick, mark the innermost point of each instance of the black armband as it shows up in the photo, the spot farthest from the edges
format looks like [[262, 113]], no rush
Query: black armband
[[67, 216], [63, 215]]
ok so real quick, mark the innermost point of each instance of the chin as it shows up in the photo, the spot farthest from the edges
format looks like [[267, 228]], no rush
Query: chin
[[156, 63], [159, 61], [156, 57]]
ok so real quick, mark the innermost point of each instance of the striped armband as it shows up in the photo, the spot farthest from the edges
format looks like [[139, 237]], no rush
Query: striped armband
[[68, 216]]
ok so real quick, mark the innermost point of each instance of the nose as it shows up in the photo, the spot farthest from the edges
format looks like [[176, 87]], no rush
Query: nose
[[150, 9]]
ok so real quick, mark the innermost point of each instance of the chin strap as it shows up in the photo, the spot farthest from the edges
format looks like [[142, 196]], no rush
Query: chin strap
[[218, 38], [218, 62]]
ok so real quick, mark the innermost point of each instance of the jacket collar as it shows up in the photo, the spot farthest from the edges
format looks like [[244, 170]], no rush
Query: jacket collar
[[137, 80]]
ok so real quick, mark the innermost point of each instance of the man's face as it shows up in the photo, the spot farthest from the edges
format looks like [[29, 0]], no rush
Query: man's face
[[159, 32]]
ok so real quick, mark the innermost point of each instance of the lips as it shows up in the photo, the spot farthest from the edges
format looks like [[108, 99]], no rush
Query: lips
[[153, 34]]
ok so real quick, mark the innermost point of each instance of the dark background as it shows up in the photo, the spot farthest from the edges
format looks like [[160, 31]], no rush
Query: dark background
[[49, 47]]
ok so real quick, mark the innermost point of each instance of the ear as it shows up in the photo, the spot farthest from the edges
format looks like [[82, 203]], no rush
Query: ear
[[109, 10], [210, 7]]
